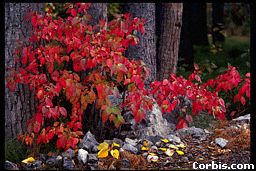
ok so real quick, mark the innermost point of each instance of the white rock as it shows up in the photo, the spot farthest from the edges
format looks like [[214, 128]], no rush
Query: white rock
[[221, 142], [152, 158], [82, 155]]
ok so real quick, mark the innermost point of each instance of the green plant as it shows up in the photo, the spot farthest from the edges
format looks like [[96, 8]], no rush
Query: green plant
[[14, 150]]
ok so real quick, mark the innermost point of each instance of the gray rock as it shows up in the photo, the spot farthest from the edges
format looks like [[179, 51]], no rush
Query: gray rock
[[69, 153], [94, 149], [10, 166], [93, 166], [68, 164], [118, 141], [59, 160], [42, 157], [132, 142], [129, 147], [109, 141], [37, 165], [245, 118], [158, 143], [156, 124], [221, 142], [88, 142], [82, 155], [197, 133], [92, 158], [173, 139], [125, 163], [154, 147], [51, 161]]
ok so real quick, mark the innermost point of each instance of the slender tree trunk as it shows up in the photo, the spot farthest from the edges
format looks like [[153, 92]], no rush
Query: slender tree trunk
[[169, 38], [186, 46], [217, 23], [146, 49], [21, 104]]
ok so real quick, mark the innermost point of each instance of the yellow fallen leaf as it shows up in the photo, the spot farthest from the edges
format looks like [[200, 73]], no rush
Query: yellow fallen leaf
[[173, 146], [145, 143], [180, 152], [165, 140], [103, 145], [103, 153], [169, 152], [145, 148], [152, 154], [28, 160], [162, 149], [115, 153], [181, 145], [114, 145]]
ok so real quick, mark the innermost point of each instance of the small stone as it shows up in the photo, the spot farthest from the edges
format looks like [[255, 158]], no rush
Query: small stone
[[118, 141], [10, 166], [129, 147], [37, 165], [132, 142], [184, 159], [221, 142], [88, 142], [69, 153], [68, 164], [151, 158], [125, 163], [94, 149], [154, 147], [51, 161], [174, 139], [93, 166], [82, 155], [158, 144], [92, 158]]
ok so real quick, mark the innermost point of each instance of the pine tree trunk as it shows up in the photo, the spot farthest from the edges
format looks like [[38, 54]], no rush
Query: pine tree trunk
[[170, 19], [21, 104], [146, 49]]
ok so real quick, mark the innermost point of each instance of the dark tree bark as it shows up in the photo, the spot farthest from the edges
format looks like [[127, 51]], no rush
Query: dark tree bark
[[199, 23], [170, 22], [217, 23], [98, 11], [21, 104], [186, 46], [146, 49]]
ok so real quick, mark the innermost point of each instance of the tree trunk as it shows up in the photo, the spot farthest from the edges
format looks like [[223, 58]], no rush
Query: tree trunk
[[21, 104], [186, 46], [170, 19], [199, 23], [217, 24], [98, 11], [91, 118], [146, 49]]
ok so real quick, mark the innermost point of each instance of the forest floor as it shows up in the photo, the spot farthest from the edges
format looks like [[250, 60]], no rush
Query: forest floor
[[237, 151]]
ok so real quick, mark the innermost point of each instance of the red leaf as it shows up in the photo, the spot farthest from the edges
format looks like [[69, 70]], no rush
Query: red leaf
[[36, 127], [165, 82], [100, 90], [242, 100], [104, 116], [109, 63], [189, 118], [181, 124], [63, 111], [77, 126], [73, 12]]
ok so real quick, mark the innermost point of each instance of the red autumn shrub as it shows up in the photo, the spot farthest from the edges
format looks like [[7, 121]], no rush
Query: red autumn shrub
[[68, 61]]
